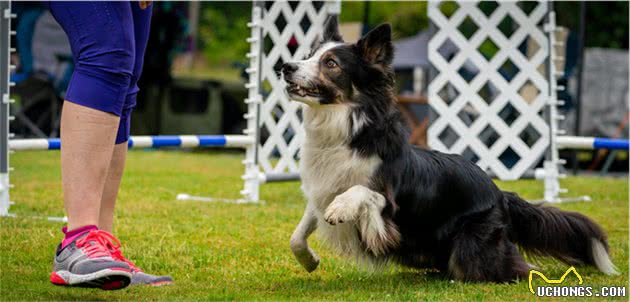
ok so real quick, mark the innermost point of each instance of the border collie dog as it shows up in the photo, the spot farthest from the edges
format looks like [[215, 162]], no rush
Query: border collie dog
[[375, 197]]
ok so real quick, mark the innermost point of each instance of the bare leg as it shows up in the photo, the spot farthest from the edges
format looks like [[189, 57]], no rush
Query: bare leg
[[87, 137], [364, 206], [112, 183], [299, 245]]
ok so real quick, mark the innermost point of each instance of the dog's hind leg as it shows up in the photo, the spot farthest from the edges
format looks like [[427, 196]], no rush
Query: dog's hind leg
[[299, 245], [481, 252], [364, 206]]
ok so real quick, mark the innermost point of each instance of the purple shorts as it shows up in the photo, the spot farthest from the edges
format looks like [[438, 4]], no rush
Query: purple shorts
[[108, 40]]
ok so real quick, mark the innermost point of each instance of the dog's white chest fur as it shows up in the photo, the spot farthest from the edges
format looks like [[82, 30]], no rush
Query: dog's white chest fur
[[329, 167]]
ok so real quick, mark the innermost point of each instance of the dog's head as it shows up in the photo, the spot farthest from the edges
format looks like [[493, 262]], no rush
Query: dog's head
[[336, 71]]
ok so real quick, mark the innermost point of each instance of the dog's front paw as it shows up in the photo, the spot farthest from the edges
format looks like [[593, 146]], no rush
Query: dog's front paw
[[311, 263], [341, 210], [304, 254]]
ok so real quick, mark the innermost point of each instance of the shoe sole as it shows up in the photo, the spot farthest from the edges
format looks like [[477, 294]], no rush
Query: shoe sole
[[107, 279]]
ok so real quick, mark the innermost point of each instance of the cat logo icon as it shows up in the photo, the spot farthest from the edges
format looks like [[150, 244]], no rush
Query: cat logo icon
[[552, 281]]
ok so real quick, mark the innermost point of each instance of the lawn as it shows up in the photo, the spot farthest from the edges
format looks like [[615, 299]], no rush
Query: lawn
[[218, 251]]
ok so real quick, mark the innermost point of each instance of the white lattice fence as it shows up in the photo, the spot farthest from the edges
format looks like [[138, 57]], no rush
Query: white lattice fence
[[490, 89], [289, 31]]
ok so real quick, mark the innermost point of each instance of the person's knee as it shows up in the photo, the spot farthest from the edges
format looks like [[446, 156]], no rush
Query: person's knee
[[136, 72], [103, 72], [111, 58]]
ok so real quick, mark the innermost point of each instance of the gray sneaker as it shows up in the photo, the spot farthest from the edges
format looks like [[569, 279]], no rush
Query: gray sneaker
[[87, 262], [138, 277], [142, 278]]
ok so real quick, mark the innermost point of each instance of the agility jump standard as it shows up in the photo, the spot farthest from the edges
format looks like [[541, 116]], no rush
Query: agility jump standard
[[5, 69], [550, 173]]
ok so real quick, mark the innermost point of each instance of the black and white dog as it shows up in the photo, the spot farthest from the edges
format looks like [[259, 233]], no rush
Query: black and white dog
[[377, 198]]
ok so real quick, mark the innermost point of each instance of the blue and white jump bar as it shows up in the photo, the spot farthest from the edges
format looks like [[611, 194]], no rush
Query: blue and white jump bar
[[181, 141], [580, 142]]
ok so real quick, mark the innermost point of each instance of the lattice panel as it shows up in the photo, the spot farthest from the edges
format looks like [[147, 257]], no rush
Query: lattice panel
[[490, 89], [289, 31]]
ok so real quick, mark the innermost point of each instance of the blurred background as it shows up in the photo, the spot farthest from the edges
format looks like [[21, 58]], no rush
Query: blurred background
[[193, 76]]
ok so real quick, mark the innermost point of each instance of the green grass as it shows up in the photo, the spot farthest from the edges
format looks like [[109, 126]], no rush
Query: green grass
[[218, 251], [223, 73]]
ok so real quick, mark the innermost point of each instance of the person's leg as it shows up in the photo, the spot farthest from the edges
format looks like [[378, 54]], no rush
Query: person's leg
[[108, 200], [141, 22], [141, 28], [87, 138], [101, 38], [101, 35]]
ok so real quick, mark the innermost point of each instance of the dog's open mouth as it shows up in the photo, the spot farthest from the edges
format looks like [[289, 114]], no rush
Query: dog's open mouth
[[302, 91]]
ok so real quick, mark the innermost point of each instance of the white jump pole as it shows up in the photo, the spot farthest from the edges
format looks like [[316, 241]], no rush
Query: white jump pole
[[252, 177], [552, 162], [558, 140], [5, 84]]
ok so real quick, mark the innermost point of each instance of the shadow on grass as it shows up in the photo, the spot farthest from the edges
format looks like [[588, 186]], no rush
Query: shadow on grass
[[78, 294], [377, 282]]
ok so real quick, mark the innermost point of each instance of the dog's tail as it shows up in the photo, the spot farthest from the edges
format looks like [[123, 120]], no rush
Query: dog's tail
[[548, 231]]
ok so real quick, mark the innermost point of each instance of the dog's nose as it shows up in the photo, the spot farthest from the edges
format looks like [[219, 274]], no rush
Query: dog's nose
[[289, 68]]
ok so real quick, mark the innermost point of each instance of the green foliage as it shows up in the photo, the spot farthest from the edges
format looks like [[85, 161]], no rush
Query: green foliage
[[448, 8], [407, 18], [220, 251], [223, 30]]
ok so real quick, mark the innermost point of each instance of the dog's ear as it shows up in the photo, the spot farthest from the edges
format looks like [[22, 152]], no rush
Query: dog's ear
[[331, 29], [376, 46]]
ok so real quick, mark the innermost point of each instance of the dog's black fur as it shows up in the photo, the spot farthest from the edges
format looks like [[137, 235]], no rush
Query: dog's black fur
[[449, 213]]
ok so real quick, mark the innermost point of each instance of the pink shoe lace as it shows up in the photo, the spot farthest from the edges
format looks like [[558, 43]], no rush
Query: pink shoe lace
[[114, 250], [100, 241]]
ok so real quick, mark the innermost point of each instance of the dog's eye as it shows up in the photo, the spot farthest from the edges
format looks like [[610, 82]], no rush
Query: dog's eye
[[331, 63]]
